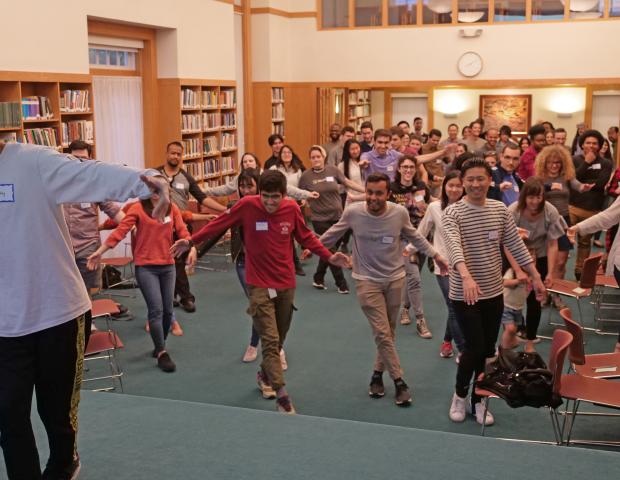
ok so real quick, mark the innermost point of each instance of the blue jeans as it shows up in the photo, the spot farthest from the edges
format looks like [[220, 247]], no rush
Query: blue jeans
[[156, 283], [453, 331], [240, 267]]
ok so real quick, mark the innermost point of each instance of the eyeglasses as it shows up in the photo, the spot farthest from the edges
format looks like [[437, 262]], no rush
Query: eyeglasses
[[271, 196], [407, 167]]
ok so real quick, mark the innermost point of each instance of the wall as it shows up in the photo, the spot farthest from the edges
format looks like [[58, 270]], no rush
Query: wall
[[377, 107], [605, 110], [466, 103], [52, 36]]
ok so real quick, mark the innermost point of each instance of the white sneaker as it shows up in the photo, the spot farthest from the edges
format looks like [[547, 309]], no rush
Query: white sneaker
[[458, 409], [479, 413], [283, 360], [250, 354], [404, 317]]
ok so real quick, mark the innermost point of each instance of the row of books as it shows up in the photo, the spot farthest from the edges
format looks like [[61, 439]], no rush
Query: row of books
[[228, 164], [277, 111], [194, 169], [8, 137], [212, 167], [359, 111], [211, 120], [77, 130], [37, 107], [228, 98], [277, 94], [277, 128], [9, 115], [190, 98], [229, 119], [191, 122], [42, 136], [359, 96], [209, 98], [191, 148], [208, 121], [229, 140], [210, 145], [74, 101]]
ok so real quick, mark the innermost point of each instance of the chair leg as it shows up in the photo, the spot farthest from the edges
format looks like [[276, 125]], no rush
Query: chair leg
[[572, 421], [555, 423], [484, 416]]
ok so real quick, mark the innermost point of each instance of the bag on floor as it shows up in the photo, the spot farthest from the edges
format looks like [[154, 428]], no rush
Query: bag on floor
[[521, 379], [112, 276]]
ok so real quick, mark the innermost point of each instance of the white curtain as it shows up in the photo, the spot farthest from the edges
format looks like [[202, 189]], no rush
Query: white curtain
[[118, 120], [119, 136]]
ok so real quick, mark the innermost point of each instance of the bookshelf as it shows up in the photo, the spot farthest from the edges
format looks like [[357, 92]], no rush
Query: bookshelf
[[50, 113], [203, 115], [358, 107], [277, 110]]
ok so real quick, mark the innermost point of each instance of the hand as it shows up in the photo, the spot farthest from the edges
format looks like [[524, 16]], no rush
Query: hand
[[408, 251], [571, 233], [450, 147], [521, 276], [339, 259], [586, 187], [589, 157], [211, 217], [160, 186], [548, 281], [179, 248], [92, 262], [505, 186], [523, 233], [305, 254], [192, 257], [315, 195], [471, 290], [539, 288], [442, 263], [363, 163]]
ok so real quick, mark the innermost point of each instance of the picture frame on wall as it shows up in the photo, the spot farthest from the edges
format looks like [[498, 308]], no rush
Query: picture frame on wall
[[512, 110]]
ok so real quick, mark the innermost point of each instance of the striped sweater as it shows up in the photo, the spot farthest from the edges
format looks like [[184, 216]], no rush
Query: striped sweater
[[474, 235]]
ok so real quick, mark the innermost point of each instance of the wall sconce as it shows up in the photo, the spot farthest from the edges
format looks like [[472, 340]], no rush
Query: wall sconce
[[450, 115], [564, 115]]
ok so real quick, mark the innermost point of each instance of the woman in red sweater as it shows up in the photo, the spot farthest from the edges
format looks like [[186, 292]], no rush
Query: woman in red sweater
[[155, 269]]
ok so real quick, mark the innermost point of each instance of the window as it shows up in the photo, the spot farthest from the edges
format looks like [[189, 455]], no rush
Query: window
[[614, 8], [473, 11], [547, 10], [509, 11], [368, 13], [402, 12], [586, 9], [335, 13], [112, 58], [437, 11]]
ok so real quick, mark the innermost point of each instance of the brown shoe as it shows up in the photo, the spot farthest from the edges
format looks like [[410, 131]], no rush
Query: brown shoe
[[376, 388], [403, 396]]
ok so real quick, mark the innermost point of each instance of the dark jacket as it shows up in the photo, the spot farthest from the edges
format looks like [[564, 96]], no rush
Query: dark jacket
[[598, 173], [498, 177]]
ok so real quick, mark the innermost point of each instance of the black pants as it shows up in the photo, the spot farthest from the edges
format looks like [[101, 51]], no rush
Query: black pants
[[50, 362], [181, 285], [319, 277], [480, 325], [534, 308]]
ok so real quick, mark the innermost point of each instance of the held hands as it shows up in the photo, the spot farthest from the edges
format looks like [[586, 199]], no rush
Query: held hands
[[339, 259], [363, 163], [539, 288], [586, 187], [179, 248], [471, 290], [314, 195], [192, 257], [571, 233], [442, 263], [521, 276], [505, 186], [305, 254], [159, 186]]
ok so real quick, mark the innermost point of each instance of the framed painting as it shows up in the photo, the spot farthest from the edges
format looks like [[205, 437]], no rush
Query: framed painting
[[512, 110]]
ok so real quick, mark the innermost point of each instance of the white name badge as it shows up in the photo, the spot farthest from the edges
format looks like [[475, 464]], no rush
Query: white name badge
[[438, 161], [262, 226], [7, 192], [596, 166], [329, 179], [419, 198], [272, 292], [387, 240], [493, 168], [179, 186], [493, 235], [390, 168], [84, 205], [516, 188], [556, 186], [167, 219]]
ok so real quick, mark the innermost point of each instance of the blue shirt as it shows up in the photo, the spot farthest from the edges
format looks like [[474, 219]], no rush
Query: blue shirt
[[387, 163], [510, 195]]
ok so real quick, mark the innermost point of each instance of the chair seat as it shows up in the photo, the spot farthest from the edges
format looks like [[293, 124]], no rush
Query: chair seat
[[102, 341], [593, 390], [116, 261], [567, 287], [104, 306], [606, 281], [600, 365]]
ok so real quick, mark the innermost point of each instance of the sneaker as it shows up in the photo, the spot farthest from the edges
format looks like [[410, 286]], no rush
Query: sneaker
[[422, 328], [403, 396], [446, 350], [404, 317], [478, 412], [165, 363], [376, 388], [72, 472], [188, 305], [283, 360], [284, 405], [176, 329], [343, 290], [250, 354], [299, 271], [557, 301], [263, 384], [458, 409], [319, 285]]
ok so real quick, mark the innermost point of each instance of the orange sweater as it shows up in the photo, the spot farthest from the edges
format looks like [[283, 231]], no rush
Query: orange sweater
[[153, 239]]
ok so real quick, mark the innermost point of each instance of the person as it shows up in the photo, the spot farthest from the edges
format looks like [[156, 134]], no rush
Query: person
[[490, 158], [275, 141], [550, 137], [155, 267], [559, 138], [604, 220], [367, 131], [575, 148], [269, 221], [541, 226], [397, 141], [409, 191], [404, 126], [453, 135], [248, 160], [44, 300], [465, 133], [351, 169], [182, 185], [526, 163], [606, 151], [612, 136], [492, 141], [334, 138], [290, 165], [335, 156], [381, 159], [506, 182], [589, 168], [431, 224], [379, 273], [418, 130], [524, 143], [515, 297], [326, 209], [474, 143], [475, 229], [505, 137]]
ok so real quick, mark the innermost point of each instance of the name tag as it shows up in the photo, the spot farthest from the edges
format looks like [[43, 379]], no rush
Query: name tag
[[556, 186], [179, 186], [493, 235], [387, 240], [390, 168], [272, 292], [7, 192], [438, 161], [167, 219], [596, 166], [419, 198], [84, 205], [516, 188], [329, 179], [262, 226], [493, 168]]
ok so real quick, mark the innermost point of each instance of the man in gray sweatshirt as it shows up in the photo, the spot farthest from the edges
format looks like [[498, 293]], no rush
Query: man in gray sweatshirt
[[379, 272]]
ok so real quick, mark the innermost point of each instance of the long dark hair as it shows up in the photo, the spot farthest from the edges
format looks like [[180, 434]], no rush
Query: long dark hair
[[296, 163], [533, 186], [608, 152], [346, 155], [416, 177], [258, 165], [245, 178], [449, 176]]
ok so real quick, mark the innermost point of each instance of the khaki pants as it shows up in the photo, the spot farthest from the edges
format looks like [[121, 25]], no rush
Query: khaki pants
[[380, 303], [584, 244], [272, 320]]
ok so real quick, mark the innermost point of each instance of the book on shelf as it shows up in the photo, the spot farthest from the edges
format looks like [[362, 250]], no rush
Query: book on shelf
[[277, 94], [195, 169], [74, 101], [229, 140], [41, 136], [228, 98], [211, 121], [229, 119], [228, 178], [277, 128], [189, 98], [359, 111], [191, 148], [10, 115], [190, 121], [210, 144], [212, 167], [213, 182], [8, 137], [77, 130], [277, 111], [209, 99], [37, 108]]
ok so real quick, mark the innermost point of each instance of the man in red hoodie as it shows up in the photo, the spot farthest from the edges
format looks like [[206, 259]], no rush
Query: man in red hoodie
[[269, 222]]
